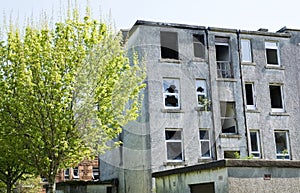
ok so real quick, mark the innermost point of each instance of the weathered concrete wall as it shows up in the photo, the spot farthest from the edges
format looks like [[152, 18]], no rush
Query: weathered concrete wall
[[245, 180]]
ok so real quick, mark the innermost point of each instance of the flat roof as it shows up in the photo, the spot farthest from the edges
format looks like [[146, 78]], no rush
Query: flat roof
[[229, 163]]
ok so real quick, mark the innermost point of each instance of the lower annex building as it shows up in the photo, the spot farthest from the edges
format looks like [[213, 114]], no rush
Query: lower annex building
[[220, 112]]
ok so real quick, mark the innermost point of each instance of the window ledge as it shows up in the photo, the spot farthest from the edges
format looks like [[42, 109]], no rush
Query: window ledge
[[201, 109], [171, 111], [204, 160], [230, 135], [227, 79], [252, 111], [274, 67], [167, 60], [175, 163], [249, 63], [199, 60], [279, 114]]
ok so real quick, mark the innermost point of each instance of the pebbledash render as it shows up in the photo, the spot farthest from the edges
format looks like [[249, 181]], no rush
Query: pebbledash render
[[220, 113]]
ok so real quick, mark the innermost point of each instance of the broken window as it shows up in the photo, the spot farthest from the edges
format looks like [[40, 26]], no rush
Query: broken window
[[75, 173], [171, 93], [169, 45], [276, 98], [204, 143], [223, 58], [231, 154], [174, 145], [199, 46], [272, 53], [228, 121], [255, 144], [201, 92], [67, 174], [282, 145], [246, 50], [249, 89]]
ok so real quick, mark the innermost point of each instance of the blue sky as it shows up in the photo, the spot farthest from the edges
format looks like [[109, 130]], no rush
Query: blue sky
[[237, 14]]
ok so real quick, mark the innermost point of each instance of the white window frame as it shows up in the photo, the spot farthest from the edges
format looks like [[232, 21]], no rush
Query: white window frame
[[205, 141], [76, 176], [252, 152], [287, 155], [67, 174], [282, 99], [176, 94], [201, 94], [252, 107], [246, 50], [174, 141], [274, 46]]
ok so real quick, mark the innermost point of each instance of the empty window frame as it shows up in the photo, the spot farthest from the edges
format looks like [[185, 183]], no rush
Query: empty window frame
[[246, 50], [201, 92], [228, 117], [250, 96], [205, 143], [169, 45], [174, 145], [199, 45], [75, 173], [255, 144], [282, 145], [171, 93], [272, 53], [276, 98], [224, 65], [67, 174]]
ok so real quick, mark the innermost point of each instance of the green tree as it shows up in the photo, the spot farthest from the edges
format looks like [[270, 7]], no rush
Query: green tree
[[66, 91]]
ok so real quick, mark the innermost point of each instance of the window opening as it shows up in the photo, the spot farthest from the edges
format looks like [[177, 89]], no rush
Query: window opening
[[204, 143], [67, 173], [201, 92], [255, 144], [228, 121], [272, 54], [223, 58], [169, 45], [174, 145], [276, 98], [282, 145], [171, 93], [199, 46], [75, 173], [246, 50], [231, 154], [249, 88], [95, 173]]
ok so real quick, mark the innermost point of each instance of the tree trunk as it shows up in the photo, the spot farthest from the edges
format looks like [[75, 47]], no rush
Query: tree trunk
[[8, 187], [51, 187]]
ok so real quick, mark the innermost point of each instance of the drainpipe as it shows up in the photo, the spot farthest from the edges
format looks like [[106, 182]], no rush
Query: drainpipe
[[243, 92]]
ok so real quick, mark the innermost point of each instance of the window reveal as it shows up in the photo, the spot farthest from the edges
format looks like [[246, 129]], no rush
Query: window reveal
[[199, 46], [174, 145]]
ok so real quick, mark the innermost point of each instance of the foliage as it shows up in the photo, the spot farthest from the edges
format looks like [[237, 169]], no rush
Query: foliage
[[65, 92]]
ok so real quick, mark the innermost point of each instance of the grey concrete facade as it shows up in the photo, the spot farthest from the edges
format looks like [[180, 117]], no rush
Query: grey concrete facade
[[258, 129]]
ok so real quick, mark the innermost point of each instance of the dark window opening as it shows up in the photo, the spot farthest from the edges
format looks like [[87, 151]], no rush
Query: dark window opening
[[169, 45], [108, 189], [254, 140], [272, 56], [205, 143], [228, 121], [276, 97], [249, 94], [199, 46], [95, 173], [231, 154]]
